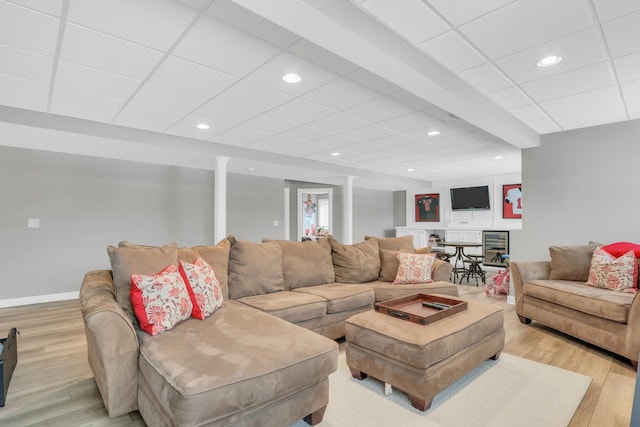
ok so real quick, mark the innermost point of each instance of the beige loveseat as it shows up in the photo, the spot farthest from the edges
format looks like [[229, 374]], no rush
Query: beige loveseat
[[265, 356], [554, 293]]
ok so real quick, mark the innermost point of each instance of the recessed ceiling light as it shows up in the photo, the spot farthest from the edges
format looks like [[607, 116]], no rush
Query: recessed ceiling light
[[433, 133], [203, 126], [291, 78], [548, 61], [336, 154], [410, 170], [251, 169]]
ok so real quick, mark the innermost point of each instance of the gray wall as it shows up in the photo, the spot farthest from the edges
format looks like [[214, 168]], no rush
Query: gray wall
[[580, 185], [372, 213], [399, 209]]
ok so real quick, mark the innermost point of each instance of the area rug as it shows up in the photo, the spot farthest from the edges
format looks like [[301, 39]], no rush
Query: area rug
[[510, 391]]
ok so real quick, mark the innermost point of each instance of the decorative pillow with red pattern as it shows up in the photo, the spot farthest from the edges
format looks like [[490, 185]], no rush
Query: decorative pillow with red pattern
[[616, 274], [203, 287], [160, 301], [414, 268]]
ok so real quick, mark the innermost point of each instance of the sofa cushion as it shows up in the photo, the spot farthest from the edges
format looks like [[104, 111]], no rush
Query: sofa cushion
[[404, 243], [238, 358], [306, 263], [203, 287], [293, 307], [570, 262], [615, 274], [137, 259], [341, 296], [216, 256], [385, 291], [414, 268], [254, 268], [355, 263], [388, 265], [577, 296], [160, 301]]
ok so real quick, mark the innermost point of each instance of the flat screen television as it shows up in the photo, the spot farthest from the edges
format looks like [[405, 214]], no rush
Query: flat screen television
[[467, 198]]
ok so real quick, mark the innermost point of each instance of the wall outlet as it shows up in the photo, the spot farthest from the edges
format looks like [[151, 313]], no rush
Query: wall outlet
[[33, 222]]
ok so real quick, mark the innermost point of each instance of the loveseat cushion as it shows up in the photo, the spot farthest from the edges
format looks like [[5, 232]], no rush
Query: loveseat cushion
[[137, 259], [355, 263], [293, 307], [306, 263], [578, 296], [236, 359], [404, 243], [571, 262], [341, 296], [216, 256], [254, 268]]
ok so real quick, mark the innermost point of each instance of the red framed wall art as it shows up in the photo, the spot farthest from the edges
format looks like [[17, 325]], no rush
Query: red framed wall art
[[512, 201], [427, 207]]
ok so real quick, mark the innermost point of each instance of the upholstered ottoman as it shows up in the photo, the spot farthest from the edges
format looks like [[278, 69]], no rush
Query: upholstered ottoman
[[422, 360]]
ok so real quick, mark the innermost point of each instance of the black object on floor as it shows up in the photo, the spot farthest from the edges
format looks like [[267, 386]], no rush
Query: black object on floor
[[8, 361]]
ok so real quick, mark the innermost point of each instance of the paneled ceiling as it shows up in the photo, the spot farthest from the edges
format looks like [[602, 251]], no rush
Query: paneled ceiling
[[377, 76]]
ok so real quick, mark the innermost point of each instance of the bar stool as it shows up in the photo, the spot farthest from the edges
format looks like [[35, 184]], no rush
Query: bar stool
[[473, 270]]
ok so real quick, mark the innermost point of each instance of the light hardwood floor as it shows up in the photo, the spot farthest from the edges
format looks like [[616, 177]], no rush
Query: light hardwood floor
[[53, 385]]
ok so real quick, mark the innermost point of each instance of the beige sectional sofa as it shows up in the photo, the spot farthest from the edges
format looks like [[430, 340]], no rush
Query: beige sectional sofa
[[554, 293], [263, 358]]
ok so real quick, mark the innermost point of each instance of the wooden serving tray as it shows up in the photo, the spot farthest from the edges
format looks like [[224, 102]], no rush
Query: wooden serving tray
[[411, 308]]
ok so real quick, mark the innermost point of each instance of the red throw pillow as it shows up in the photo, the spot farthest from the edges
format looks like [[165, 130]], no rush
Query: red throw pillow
[[620, 248], [160, 301], [203, 287]]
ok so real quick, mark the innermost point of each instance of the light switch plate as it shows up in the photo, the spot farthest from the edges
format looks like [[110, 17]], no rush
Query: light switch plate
[[33, 223]]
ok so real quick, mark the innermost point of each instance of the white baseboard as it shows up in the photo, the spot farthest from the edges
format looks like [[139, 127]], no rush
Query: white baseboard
[[14, 302], [511, 300]]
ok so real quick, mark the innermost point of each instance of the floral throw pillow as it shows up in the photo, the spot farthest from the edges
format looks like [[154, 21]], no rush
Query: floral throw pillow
[[414, 268], [203, 287], [616, 274], [160, 301]]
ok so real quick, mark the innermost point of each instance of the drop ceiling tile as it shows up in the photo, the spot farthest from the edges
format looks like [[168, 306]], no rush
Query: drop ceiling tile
[[154, 96], [631, 91], [528, 113], [153, 23], [622, 35], [221, 47], [570, 82], [22, 93], [24, 64], [627, 67], [224, 113], [452, 52], [509, 98], [237, 16], [96, 82], [84, 105], [610, 9], [410, 122], [138, 116], [270, 74], [201, 81], [594, 117], [341, 94], [301, 111], [318, 55], [582, 101], [379, 109], [519, 25], [485, 78], [413, 21], [252, 97], [460, 11], [634, 109], [305, 133], [107, 53], [52, 7], [369, 80], [334, 142], [578, 50], [339, 122], [28, 29], [239, 136], [269, 124], [369, 132], [276, 142], [394, 141]]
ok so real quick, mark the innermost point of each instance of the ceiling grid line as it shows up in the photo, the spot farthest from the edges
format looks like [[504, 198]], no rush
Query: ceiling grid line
[[56, 57]]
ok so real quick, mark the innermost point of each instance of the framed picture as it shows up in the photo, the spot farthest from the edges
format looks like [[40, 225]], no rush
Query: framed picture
[[428, 207], [512, 201]]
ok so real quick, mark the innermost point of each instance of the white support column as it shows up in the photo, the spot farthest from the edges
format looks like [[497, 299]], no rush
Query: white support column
[[347, 203], [220, 199]]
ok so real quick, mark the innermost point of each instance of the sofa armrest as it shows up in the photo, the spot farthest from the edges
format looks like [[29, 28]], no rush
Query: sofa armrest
[[441, 271], [523, 271], [112, 344], [633, 336]]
